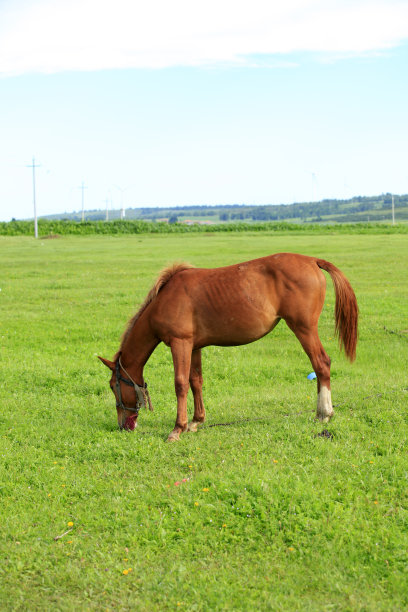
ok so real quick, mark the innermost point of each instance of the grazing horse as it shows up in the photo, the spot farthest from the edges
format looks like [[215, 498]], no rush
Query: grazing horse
[[189, 308]]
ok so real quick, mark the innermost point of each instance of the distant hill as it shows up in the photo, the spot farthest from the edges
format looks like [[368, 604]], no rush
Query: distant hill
[[359, 208]]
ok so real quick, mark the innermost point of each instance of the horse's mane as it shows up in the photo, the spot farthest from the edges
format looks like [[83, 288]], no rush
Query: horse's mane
[[165, 275]]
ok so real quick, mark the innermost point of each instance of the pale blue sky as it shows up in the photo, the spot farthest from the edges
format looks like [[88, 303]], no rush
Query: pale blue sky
[[266, 106]]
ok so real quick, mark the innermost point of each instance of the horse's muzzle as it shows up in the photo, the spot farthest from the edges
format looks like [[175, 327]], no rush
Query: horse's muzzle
[[131, 423]]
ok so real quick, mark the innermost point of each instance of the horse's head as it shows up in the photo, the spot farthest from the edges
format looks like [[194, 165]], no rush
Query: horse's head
[[130, 396]]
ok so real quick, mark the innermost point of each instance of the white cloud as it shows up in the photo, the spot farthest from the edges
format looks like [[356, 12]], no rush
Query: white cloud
[[48, 36]]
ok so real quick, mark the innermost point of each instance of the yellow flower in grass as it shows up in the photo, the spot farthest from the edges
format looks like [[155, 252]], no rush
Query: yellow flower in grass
[[196, 503], [206, 489], [70, 524], [125, 572]]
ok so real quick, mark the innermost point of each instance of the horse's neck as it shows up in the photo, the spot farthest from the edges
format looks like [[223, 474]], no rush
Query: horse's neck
[[138, 347]]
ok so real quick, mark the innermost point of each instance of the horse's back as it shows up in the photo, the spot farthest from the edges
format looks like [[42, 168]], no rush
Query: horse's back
[[234, 304]]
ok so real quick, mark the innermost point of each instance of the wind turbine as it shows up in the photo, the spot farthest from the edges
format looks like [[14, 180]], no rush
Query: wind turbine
[[314, 187], [122, 191]]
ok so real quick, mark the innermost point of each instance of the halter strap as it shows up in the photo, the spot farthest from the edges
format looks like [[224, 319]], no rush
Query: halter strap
[[142, 394]]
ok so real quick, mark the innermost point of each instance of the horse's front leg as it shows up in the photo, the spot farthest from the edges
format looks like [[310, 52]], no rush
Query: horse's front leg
[[181, 351], [196, 384]]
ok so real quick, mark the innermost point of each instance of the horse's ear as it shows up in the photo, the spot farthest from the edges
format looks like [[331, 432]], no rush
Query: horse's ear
[[109, 364]]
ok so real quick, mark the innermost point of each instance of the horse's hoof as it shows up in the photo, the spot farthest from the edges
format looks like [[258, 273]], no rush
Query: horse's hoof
[[173, 437], [192, 426], [324, 418]]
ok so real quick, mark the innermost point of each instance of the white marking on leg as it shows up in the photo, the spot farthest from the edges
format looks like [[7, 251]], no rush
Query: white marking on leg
[[324, 405]]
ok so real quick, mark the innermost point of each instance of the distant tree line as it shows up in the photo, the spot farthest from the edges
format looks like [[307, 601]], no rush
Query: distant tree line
[[328, 210]]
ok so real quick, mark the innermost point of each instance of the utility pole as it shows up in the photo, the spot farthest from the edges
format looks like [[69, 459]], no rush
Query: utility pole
[[392, 206], [82, 187], [34, 166], [107, 210]]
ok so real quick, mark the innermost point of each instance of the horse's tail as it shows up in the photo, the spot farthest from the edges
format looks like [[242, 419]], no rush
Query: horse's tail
[[346, 309]]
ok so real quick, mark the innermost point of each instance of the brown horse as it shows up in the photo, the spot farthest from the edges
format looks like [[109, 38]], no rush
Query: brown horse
[[189, 308]]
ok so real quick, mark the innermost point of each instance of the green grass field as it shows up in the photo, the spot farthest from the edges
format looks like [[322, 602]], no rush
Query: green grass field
[[266, 515]]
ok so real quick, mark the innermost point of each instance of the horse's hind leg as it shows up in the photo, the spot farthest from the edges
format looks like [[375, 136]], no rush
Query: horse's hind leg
[[196, 384], [309, 339]]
